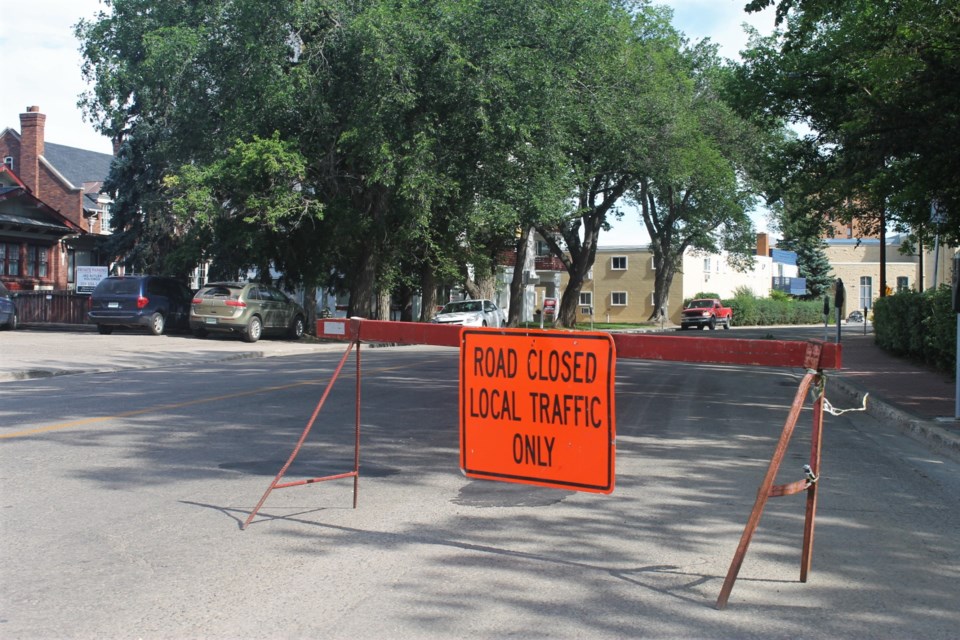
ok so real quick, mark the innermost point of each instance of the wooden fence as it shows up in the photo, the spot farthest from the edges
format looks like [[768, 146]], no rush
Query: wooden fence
[[54, 307]]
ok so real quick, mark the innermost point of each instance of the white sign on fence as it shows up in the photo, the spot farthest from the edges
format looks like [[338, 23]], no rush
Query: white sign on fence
[[89, 277]]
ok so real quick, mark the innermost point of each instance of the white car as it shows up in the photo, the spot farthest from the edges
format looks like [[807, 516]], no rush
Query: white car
[[471, 313]]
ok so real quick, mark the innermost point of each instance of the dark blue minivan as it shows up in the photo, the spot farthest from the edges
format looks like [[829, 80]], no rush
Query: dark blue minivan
[[154, 302]]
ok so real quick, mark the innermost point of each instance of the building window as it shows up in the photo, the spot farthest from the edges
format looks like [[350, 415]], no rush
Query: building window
[[105, 219], [586, 298], [9, 259], [903, 283], [37, 261], [618, 298], [866, 292], [618, 263], [8, 163]]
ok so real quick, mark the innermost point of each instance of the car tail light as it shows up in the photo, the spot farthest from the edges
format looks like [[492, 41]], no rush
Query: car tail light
[[236, 303], [142, 302], [196, 301]]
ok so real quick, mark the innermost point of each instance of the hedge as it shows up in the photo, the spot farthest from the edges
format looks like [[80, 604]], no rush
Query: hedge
[[918, 326]]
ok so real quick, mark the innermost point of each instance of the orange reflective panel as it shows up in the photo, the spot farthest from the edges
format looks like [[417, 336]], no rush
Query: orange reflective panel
[[537, 407]]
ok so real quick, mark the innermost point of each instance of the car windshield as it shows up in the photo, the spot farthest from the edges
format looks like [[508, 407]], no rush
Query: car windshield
[[701, 304], [462, 307]]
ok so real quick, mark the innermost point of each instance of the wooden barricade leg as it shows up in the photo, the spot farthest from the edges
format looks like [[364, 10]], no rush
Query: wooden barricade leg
[[767, 488]]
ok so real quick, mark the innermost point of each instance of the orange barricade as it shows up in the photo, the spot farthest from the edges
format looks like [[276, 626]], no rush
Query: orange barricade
[[813, 356]]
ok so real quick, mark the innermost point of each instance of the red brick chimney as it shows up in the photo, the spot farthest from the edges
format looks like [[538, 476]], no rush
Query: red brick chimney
[[31, 147], [763, 244]]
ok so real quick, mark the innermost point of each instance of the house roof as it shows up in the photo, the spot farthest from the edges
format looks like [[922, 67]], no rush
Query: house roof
[[78, 165], [19, 208]]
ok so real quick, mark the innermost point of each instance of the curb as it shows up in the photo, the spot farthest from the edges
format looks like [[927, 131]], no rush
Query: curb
[[940, 439]]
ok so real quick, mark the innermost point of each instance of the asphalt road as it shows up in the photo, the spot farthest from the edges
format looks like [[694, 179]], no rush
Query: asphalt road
[[122, 495]]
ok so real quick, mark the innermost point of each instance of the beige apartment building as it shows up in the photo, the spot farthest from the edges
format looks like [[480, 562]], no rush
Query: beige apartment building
[[620, 286], [857, 263]]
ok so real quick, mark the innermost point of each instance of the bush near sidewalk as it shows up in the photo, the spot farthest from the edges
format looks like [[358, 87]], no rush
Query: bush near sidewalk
[[918, 326], [779, 308]]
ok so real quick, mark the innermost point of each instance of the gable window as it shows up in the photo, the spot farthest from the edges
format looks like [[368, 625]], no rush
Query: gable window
[[8, 163], [9, 259], [37, 261], [618, 263], [618, 298]]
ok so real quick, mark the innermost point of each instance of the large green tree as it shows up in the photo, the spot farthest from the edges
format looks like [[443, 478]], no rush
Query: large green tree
[[878, 83], [695, 194], [620, 74]]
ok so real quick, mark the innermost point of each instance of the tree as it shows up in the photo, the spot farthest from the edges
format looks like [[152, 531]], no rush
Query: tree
[[245, 210], [619, 75], [692, 196], [878, 83]]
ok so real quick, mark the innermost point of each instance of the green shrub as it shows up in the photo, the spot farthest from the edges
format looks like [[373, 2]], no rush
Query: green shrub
[[919, 326], [749, 310]]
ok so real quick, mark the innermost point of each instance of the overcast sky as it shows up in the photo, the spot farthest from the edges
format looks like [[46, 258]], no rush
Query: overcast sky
[[43, 64]]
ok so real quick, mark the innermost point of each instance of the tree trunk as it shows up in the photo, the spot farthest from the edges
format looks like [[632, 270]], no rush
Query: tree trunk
[[384, 301], [428, 292], [363, 287], [570, 301], [661, 290], [516, 283], [310, 307]]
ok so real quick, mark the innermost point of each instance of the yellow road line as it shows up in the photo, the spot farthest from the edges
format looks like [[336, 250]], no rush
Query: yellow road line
[[166, 407]]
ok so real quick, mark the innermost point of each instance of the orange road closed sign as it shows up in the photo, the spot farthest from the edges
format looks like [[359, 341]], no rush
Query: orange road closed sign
[[537, 408]]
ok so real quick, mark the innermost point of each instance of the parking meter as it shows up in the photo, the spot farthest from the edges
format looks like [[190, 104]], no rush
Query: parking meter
[[956, 283], [838, 300]]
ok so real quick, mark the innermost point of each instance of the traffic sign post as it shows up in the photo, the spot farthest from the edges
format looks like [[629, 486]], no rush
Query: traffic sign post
[[538, 408]]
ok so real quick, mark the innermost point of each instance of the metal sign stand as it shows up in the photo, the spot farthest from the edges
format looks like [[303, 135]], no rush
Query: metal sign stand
[[809, 484], [355, 473]]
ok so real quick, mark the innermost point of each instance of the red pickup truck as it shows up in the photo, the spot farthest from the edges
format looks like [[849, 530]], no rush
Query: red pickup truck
[[706, 312]]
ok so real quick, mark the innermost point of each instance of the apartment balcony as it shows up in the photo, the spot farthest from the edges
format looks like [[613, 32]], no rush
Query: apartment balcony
[[792, 286]]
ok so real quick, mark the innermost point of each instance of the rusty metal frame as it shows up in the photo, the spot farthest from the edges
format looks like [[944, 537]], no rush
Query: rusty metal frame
[[812, 362], [355, 472]]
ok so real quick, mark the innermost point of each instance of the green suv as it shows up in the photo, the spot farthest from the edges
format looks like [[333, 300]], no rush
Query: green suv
[[248, 308]]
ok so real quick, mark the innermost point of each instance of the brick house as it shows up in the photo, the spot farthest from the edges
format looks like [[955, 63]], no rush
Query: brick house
[[59, 187]]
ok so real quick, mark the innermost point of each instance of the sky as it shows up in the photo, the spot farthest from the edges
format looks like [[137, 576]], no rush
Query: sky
[[43, 69]]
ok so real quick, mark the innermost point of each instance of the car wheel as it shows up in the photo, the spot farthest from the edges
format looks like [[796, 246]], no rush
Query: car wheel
[[104, 330], [200, 332], [296, 329], [253, 330], [713, 324], [726, 325], [157, 324], [12, 322]]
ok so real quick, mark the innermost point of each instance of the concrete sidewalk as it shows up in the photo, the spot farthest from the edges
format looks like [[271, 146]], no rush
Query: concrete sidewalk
[[915, 398]]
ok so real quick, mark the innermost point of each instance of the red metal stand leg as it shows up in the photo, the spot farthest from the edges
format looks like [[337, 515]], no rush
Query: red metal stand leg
[[356, 444], [303, 437], [816, 441], [763, 494]]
